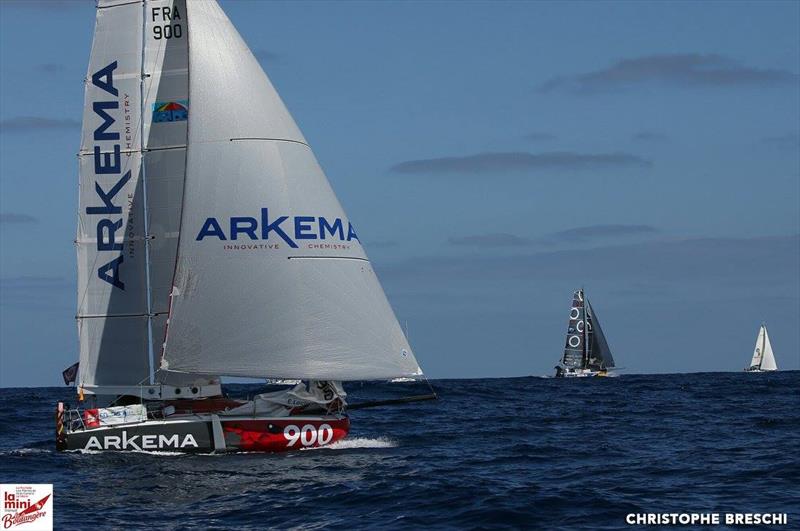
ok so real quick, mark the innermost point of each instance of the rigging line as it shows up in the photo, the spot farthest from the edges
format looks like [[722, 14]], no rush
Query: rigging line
[[430, 386]]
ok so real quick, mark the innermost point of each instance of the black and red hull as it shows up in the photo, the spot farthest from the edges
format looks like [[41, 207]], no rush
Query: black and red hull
[[205, 433]]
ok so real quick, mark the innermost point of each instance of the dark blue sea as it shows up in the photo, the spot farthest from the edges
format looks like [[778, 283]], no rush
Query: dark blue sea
[[497, 453]]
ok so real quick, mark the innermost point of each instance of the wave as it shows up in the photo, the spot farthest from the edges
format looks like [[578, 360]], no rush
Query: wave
[[159, 453], [26, 451], [360, 442]]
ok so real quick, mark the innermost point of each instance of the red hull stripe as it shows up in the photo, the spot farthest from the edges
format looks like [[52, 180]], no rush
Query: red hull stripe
[[283, 435]]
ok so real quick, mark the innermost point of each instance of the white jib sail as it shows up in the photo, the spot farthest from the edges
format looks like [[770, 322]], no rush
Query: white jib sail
[[768, 358], [272, 280], [132, 166]]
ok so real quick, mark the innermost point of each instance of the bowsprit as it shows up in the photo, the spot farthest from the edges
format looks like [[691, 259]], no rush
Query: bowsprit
[[289, 229]]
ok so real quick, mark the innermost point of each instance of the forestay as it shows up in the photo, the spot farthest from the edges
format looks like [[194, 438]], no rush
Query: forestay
[[271, 280]]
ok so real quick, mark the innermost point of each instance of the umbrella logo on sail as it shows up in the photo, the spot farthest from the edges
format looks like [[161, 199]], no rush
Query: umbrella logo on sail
[[171, 111]]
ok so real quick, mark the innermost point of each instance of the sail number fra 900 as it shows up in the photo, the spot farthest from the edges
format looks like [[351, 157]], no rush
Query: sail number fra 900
[[166, 15]]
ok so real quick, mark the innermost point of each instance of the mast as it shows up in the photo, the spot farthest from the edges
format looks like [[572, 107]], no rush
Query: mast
[[763, 345], [146, 215]]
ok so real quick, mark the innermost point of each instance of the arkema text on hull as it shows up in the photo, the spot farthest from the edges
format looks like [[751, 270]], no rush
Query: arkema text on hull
[[176, 181]]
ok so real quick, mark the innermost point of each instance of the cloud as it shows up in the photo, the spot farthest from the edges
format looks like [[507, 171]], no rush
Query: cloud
[[36, 292], [650, 136], [596, 232], [540, 137], [787, 141], [381, 244], [50, 68], [703, 262], [267, 57], [23, 124], [505, 162], [28, 282], [489, 240], [688, 70], [575, 235], [48, 4], [8, 218]]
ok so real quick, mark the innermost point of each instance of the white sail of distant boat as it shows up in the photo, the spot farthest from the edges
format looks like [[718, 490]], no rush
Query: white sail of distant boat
[[763, 357], [210, 242]]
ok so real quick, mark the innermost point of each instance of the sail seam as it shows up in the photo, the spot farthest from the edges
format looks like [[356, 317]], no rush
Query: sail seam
[[271, 139], [329, 258], [120, 5], [130, 151]]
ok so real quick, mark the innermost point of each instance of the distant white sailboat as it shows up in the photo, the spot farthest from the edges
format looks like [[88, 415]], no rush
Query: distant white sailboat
[[763, 357]]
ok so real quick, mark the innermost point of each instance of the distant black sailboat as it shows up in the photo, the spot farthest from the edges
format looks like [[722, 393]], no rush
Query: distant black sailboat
[[586, 352]]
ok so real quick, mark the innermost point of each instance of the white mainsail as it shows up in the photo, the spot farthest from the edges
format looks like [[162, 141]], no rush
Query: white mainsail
[[271, 278], [132, 166], [763, 357]]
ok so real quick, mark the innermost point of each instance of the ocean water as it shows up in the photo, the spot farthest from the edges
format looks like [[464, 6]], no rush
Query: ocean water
[[515, 453]]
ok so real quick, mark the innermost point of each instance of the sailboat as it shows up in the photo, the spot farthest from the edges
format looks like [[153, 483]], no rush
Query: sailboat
[[763, 357], [586, 352], [210, 244]]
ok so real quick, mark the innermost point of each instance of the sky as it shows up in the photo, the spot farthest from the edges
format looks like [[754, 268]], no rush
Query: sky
[[494, 156]]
